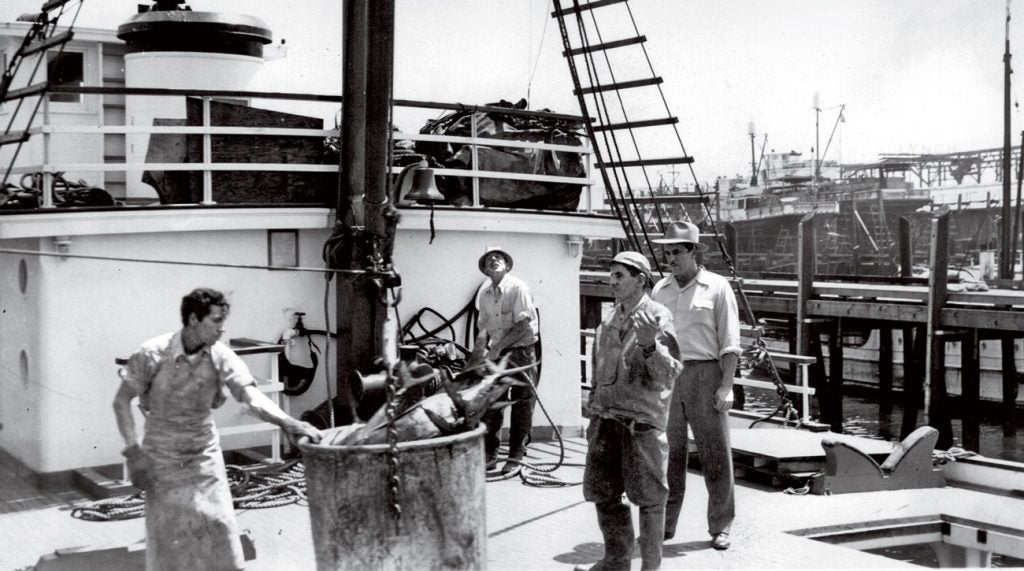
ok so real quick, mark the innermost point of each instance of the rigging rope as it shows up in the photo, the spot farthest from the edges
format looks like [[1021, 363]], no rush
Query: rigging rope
[[630, 207]]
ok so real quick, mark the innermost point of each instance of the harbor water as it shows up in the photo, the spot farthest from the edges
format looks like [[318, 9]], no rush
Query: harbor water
[[861, 417]]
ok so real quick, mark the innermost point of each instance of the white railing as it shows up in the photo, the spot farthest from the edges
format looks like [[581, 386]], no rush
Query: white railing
[[51, 128]]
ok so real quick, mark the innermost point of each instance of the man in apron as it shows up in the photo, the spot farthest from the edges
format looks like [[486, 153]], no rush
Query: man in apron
[[179, 378]]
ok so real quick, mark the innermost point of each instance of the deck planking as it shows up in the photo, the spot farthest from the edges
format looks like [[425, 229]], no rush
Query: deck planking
[[534, 528]]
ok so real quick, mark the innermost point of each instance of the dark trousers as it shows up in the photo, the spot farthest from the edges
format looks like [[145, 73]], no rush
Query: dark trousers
[[693, 405], [523, 400], [631, 460]]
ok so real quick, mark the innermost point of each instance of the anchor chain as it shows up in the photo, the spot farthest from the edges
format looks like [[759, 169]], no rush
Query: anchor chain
[[394, 491], [391, 387]]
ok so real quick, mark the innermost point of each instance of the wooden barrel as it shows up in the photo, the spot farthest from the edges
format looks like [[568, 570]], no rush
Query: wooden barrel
[[441, 494]]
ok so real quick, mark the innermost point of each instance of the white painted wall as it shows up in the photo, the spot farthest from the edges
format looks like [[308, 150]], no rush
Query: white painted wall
[[77, 315]]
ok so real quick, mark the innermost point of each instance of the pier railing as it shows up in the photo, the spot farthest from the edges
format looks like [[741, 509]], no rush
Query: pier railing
[[205, 147]]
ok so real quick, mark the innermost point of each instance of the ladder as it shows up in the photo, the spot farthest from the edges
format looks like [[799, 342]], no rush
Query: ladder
[[626, 132], [41, 37], [627, 118]]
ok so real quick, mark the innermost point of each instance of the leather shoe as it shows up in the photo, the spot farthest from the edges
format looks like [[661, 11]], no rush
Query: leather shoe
[[720, 541], [492, 464], [510, 467], [604, 565], [669, 535]]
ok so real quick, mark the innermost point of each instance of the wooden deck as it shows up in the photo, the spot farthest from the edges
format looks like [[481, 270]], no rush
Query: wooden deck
[[539, 528]]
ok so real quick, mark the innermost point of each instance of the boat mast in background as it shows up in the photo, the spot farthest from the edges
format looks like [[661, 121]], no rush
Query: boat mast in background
[[753, 161], [1005, 260], [817, 145]]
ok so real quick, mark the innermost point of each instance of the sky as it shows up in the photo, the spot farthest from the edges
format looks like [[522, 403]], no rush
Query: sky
[[913, 76]]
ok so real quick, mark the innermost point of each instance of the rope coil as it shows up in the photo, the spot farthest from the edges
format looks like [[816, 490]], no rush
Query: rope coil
[[251, 488]]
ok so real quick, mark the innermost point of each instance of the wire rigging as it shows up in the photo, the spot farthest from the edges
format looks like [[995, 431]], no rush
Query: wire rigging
[[623, 191]]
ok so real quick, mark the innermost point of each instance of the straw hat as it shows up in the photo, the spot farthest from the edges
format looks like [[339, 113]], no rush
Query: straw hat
[[682, 232], [492, 249]]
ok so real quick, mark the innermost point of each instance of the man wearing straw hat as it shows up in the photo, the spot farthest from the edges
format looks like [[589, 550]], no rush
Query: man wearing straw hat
[[636, 361], [508, 326], [706, 319]]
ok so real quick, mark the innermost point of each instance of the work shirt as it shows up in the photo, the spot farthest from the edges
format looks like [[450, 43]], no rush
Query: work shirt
[[629, 384], [706, 317], [503, 305]]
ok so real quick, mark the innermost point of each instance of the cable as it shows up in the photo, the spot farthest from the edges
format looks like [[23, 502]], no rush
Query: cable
[[183, 263], [536, 63], [327, 353], [536, 474]]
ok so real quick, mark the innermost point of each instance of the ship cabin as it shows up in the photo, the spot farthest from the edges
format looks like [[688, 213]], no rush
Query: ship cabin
[[143, 162]]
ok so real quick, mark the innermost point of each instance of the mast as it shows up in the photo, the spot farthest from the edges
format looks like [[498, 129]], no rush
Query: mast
[[817, 144], [753, 161], [1005, 262]]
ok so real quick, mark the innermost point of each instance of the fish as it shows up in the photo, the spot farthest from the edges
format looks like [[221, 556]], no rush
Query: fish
[[447, 412]]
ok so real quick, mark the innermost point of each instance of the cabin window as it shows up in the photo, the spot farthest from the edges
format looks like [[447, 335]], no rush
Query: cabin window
[[65, 69]]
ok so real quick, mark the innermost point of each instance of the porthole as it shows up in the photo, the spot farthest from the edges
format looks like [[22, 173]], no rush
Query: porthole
[[22, 276], [23, 367]]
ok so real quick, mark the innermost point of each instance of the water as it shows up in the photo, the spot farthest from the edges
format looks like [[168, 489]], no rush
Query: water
[[861, 417]]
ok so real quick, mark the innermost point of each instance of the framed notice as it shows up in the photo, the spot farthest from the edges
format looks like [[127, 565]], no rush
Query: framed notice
[[283, 248]]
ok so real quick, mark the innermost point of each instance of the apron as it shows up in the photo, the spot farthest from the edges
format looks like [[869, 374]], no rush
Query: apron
[[190, 520]]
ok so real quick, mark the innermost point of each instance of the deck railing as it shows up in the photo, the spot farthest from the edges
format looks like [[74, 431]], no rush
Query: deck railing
[[66, 146]]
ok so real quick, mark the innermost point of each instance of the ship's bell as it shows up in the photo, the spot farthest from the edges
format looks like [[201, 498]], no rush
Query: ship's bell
[[424, 187]]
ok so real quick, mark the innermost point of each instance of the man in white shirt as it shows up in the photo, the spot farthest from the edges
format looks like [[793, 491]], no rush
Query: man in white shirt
[[706, 319], [508, 326]]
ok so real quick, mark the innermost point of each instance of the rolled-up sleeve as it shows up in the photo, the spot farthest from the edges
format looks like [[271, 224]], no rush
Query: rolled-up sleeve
[[139, 371], [728, 322], [522, 305], [232, 370]]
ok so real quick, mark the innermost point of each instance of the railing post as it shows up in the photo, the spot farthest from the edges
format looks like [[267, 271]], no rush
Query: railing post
[[935, 403], [587, 170], [46, 178], [806, 262], [207, 154], [475, 159]]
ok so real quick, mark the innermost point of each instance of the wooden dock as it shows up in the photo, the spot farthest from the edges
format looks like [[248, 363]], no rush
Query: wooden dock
[[928, 313]]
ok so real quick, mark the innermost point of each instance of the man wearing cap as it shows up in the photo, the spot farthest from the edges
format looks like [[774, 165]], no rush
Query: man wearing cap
[[635, 363], [707, 325], [508, 326]]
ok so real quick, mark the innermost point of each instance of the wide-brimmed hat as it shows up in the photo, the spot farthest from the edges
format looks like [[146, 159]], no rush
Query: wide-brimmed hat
[[634, 260], [680, 232], [492, 249]]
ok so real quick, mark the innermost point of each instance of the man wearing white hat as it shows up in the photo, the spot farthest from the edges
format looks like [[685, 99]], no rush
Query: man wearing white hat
[[706, 319], [636, 362], [508, 326]]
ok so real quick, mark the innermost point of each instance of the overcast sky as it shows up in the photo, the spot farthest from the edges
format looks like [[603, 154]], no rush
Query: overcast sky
[[915, 75]]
